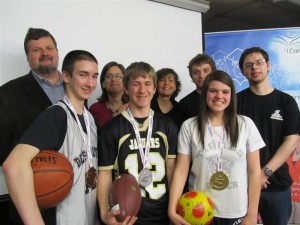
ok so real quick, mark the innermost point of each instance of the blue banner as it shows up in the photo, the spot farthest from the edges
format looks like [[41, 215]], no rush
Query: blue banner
[[282, 45]]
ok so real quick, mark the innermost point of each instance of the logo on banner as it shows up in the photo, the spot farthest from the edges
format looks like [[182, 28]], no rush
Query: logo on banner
[[290, 41]]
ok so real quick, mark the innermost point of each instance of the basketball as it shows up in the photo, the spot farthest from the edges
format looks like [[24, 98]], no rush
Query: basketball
[[196, 208], [53, 178], [125, 195]]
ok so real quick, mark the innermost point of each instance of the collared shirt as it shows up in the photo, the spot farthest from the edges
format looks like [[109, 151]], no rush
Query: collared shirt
[[54, 92]]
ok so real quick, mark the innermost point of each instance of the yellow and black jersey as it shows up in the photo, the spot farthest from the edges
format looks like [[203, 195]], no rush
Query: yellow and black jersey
[[119, 151]]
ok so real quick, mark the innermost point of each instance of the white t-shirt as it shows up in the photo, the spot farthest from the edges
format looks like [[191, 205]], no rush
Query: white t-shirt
[[231, 202]]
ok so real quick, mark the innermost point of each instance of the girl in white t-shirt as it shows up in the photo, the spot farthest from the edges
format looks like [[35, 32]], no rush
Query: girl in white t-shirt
[[224, 150]]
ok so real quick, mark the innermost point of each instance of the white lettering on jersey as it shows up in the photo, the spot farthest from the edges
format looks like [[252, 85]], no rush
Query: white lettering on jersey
[[154, 143]]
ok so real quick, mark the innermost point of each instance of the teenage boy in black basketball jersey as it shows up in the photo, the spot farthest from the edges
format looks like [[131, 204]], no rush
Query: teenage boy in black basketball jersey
[[69, 128], [142, 143]]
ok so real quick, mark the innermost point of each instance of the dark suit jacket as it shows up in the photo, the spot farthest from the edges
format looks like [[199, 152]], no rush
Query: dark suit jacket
[[21, 101]]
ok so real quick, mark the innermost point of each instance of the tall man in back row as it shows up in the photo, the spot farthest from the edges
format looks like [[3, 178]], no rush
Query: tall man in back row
[[143, 143], [199, 67], [277, 118], [24, 98]]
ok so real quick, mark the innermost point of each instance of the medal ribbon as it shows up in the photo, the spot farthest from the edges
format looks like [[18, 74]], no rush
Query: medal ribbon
[[85, 136], [222, 146], [144, 156]]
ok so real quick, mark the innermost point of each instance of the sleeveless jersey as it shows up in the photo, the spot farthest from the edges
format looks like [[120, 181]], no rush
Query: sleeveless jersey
[[80, 206], [56, 128]]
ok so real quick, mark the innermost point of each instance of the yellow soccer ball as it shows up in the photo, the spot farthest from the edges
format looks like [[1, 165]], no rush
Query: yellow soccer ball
[[196, 208]]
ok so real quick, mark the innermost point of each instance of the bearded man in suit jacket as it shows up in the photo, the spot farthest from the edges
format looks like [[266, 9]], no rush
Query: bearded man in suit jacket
[[24, 98]]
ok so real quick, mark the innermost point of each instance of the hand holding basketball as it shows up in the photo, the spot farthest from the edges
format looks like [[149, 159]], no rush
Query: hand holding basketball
[[53, 178]]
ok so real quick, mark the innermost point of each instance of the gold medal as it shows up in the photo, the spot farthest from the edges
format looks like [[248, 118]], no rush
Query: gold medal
[[219, 181]]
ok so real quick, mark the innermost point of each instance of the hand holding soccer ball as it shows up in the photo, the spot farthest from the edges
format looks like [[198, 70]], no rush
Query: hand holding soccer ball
[[196, 208]]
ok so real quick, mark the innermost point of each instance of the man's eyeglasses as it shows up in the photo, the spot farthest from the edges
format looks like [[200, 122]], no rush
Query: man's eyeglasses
[[117, 76], [259, 62]]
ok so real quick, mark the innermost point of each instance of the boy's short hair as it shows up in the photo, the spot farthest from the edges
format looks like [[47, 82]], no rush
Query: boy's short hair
[[201, 59], [250, 51], [76, 55], [139, 69]]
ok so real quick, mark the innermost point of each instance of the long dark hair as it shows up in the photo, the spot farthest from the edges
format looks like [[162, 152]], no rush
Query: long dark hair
[[230, 113], [104, 96]]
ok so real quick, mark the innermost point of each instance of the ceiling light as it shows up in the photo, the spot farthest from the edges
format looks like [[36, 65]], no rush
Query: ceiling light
[[196, 5], [296, 2]]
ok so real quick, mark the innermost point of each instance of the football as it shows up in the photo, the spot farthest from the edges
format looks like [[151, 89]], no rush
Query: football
[[196, 208], [53, 178], [125, 195]]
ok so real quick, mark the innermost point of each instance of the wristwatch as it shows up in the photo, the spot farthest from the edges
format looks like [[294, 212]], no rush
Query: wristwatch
[[267, 171]]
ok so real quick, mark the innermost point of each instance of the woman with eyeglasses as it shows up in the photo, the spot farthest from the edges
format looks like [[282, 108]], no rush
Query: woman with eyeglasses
[[113, 99], [168, 87]]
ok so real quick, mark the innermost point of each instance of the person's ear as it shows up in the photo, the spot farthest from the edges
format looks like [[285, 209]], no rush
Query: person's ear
[[66, 77], [269, 67], [126, 90]]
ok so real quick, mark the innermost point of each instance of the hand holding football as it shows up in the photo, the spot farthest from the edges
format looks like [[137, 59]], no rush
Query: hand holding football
[[125, 195]]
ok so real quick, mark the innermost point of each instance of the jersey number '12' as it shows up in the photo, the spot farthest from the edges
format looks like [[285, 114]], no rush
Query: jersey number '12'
[[157, 165]]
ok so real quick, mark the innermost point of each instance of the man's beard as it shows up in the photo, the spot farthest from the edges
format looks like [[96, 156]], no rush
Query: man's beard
[[46, 69]]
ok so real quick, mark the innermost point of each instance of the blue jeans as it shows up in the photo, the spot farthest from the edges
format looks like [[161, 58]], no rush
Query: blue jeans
[[275, 208]]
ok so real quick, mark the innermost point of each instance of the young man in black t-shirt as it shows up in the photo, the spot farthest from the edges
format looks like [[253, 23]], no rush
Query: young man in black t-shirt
[[276, 116]]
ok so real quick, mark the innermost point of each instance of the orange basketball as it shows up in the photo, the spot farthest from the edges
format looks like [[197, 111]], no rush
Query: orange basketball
[[53, 177]]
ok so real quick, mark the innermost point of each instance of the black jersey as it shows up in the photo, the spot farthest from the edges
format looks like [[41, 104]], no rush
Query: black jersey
[[276, 115], [118, 150]]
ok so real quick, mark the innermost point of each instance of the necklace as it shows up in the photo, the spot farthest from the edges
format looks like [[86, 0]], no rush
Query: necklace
[[141, 125], [140, 121], [111, 111]]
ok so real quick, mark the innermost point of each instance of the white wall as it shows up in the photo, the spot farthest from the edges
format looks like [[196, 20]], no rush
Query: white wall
[[122, 30]]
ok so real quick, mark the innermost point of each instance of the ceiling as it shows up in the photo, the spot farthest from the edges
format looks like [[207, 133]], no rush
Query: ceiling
[[231, 15]]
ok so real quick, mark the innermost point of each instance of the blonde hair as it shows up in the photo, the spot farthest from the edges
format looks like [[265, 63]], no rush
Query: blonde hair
[[139, 69]]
